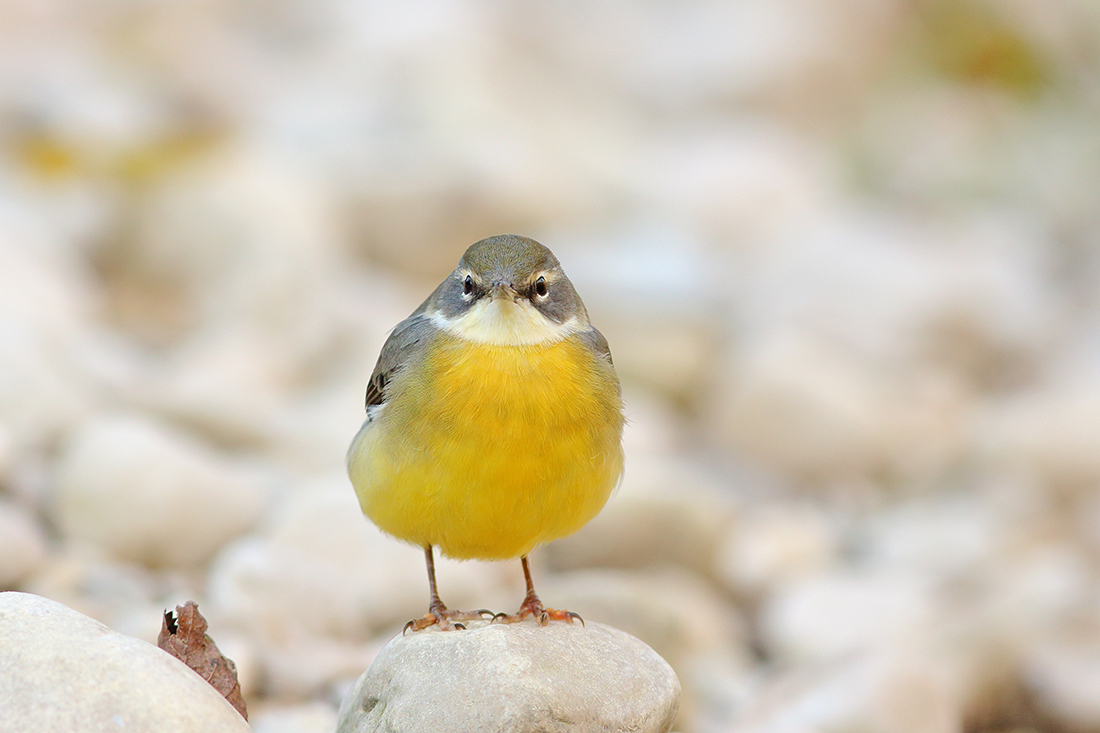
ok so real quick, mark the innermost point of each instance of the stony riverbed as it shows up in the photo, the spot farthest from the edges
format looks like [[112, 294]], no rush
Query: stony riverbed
[[847, 257]]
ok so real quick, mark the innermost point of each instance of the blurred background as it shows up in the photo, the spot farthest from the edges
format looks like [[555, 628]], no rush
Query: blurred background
[[847, 256]]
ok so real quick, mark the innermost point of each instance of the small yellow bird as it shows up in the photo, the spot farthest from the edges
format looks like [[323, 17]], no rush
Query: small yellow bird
[[494, 419]]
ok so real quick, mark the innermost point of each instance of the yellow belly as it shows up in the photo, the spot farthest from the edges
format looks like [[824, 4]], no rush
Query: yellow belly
[[486, 451]]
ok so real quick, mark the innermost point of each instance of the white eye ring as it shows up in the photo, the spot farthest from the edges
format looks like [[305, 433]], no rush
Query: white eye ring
[[468, 287], [541, 289]]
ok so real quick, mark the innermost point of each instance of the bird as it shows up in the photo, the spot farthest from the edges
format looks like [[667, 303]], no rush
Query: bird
[[494, 421]]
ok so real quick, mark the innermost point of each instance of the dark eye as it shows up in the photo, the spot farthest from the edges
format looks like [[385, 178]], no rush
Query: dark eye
[[540, 287], [467, 285]]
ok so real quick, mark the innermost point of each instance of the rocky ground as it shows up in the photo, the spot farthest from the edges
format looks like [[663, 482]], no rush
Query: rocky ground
[[847, 257]]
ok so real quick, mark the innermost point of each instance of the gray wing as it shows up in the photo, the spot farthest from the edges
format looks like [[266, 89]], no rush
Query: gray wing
[[596, 343], [405, 338]]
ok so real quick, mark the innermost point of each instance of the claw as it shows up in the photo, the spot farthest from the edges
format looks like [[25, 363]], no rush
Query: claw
[[532, 606], [542, 615], [445, 619], [438, 614]]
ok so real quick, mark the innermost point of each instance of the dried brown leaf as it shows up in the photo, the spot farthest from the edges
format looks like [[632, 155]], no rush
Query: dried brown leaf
[[183, 635]]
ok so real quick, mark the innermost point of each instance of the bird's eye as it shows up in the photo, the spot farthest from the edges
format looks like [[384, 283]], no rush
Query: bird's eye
[[467, 285], [540, 287]]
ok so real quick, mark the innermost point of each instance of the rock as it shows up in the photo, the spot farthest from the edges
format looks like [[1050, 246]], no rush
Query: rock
[[738, 180], [317, 580], [666, 511], [7, 454], [775, 543], [1037, 590], [844, 611], [150, 494], [823, 384], [953, 536], [877, 693], [318, 565], [62, 671], [44, 308], [236, 236], [313, 717], [514, 677], [1064, 679], [796, 402], [661, 336], [1050, 431], [40, 398], [221, 388], [22, 545], [126, 597], [671, 609]]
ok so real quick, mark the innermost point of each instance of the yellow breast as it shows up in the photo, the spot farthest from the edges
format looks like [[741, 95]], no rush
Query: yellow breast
[[486, 451]]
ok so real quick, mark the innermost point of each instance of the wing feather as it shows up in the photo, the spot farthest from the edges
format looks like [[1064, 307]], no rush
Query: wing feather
[[402, 344]]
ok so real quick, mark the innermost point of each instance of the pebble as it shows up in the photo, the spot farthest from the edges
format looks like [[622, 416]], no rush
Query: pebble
[[675, 611], [773, 544], [661, 337], [62, 671], [814, 325], [315, 717], [129, 598], [842, 611], [876, 692], [7, 455], [317, 580], [1064, 678], [798, 402], [46, 304], [952, 537], [1049, 432], [665, 511], [150, 494], [22, 545], [514, 677]]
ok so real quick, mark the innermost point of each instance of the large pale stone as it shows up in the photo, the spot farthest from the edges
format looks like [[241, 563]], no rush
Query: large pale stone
[[682, 617], [151, 494], [62, 671], [514, 677]]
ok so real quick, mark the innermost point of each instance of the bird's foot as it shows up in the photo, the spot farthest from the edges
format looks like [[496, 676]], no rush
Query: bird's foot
[[532, 607], [446, 619]]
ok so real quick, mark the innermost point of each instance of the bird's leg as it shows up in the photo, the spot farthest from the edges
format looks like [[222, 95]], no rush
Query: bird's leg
[[532, 606], [438, 614]]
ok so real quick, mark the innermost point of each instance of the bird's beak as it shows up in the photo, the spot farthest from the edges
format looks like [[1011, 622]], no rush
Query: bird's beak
[[503, 291]]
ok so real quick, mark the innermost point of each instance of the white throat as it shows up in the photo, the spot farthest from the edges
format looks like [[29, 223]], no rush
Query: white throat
[[504, 322]]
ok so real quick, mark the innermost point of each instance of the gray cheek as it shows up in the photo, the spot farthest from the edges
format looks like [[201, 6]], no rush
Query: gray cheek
[[451, 303], [556, 309]]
